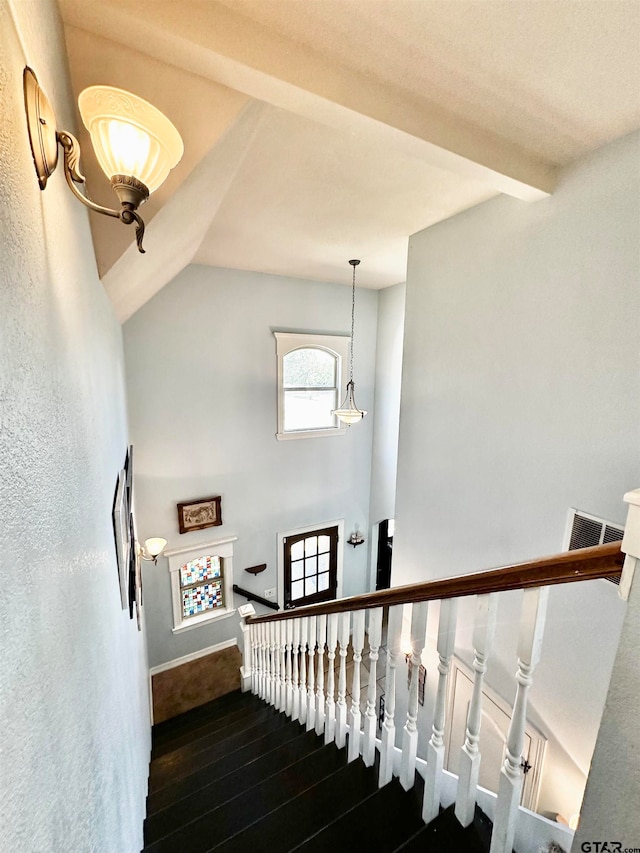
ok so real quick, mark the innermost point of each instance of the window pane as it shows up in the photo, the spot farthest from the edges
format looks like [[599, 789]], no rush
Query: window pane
[[323, 582], [202, 569], [309, 409], [310, 586], [297, 590], [309, 368], [311, 546], [198, 599], [297, 550], [310, 566], [324, 544], [323, 563], [296, 570]]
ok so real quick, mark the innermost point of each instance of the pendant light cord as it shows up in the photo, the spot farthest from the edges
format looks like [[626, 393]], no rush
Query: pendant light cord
[[354, 264]]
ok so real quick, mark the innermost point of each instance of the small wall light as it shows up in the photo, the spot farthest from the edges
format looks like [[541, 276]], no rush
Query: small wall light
[[356, 537], [153, 548], [136, 145]]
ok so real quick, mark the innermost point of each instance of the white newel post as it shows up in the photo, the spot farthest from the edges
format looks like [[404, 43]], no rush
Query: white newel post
[[534, 608], [295, 674], [435, 747], [330, 707], [630, 543], [410, 731], [321, 633], [311, 681], [394, 631], [288, 632], [357, 642], [370, 718], [246, 669], [469, 766], [341, 707], [304, 633]]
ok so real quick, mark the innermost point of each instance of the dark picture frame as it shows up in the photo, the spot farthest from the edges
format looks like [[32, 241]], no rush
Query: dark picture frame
[[199, 513], [121, 535]]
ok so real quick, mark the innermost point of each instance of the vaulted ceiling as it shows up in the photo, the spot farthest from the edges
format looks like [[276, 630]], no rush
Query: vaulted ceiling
[[320, 130]]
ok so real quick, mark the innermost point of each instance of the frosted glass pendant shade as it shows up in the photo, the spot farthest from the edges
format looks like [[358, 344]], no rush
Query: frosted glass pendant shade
[[349, 413], [129, 135]]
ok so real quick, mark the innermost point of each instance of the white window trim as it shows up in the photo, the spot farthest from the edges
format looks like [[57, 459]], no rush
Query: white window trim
[[218, 548], [309, 529], [337, 345]]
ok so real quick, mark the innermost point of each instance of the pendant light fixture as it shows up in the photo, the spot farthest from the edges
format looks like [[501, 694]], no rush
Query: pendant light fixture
[[349, 413]]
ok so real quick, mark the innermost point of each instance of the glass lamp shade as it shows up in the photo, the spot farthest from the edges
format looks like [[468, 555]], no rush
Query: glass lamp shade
[[155, 546], [349, 413], [129, 135]]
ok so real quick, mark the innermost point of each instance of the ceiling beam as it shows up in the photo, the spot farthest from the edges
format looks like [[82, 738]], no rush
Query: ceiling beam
[[211, 40]]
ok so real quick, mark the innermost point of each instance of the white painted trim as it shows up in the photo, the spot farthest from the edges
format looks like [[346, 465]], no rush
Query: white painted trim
[[201, 653], [214, 544], [218, 548], [338, 346], [309, 529]]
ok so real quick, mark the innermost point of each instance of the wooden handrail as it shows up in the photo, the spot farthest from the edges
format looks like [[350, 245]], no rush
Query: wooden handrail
[[583, 564]]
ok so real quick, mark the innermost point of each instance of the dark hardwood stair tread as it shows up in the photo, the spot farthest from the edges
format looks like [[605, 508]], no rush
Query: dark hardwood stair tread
[[231, 817], [185, 764], [229, 786], [187, 785], [208, 710], [445, 835], [303, 816]]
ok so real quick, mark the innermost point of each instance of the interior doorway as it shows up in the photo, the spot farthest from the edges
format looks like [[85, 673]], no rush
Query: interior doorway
[[385, 553]]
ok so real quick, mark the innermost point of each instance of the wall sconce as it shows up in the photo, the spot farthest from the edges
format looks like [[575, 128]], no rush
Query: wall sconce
[[356, 537], [136, 145], [153, 548]]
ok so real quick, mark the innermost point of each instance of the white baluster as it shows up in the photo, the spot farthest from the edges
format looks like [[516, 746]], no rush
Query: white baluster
[[469, 766], [394, 631], [254, 652], [311, 681], [330, 707], [321, 633], [263, 661], [410, 731], [280, 690], [304, 629], [273, 681], [357, 642], [295, 672], [370, 718], [288, 686], [267, 663], [341, 707], [532, 620], [435, 747]]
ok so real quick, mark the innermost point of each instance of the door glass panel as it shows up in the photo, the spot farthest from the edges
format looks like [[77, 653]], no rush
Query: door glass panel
[[297, 590], [296, 570], [311, 545], [310, 566], [323, 581], [324, 543], [323, 563], [310, 586], [297, 550]]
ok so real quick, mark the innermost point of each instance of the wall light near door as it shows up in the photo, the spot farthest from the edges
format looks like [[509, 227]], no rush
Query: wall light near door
[[153, 548], [136, 145]]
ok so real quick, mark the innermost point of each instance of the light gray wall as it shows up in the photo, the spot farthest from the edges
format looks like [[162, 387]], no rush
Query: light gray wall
[[74, 709], [519, 400], [614, 782], [387, 401], [201, 380]]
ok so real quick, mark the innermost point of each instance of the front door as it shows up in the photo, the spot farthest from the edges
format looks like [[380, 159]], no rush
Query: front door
[[311, 567]]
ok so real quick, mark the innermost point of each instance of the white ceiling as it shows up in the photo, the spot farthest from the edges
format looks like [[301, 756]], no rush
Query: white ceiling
[[320, 130]]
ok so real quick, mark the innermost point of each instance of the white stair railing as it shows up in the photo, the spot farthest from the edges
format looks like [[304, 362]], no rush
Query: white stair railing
[[283, 662]]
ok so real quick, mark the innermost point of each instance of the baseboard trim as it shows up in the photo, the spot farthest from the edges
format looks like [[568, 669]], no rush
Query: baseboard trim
[[201, 653]]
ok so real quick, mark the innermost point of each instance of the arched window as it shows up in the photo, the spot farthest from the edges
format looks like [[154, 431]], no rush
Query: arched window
[[310, 378]]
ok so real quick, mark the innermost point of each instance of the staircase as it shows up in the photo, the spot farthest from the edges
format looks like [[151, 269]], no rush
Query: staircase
[[236, 775]]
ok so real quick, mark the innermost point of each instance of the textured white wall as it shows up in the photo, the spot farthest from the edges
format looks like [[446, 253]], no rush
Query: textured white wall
[[519, 400], [201, 380], [73, 694]]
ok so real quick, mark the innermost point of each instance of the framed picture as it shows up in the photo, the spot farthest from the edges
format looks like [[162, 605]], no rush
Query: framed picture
[[200, 513], [121, 536]]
